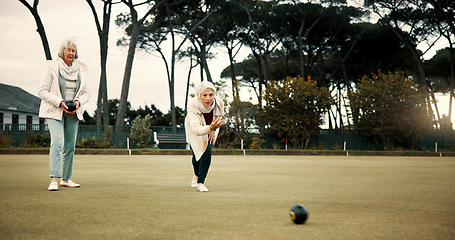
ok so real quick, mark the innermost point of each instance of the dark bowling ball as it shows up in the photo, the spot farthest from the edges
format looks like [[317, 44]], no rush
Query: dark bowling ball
[[299, 214], [71, 106]]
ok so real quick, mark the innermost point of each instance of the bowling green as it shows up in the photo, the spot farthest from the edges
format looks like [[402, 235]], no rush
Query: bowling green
[[149, 197]]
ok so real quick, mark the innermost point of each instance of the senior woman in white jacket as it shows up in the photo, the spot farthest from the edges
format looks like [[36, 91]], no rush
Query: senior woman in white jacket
[[202, 124], [63, 91]]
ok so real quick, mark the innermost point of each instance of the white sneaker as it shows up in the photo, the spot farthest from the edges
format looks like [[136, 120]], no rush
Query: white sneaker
[[53, 186], [69, 184], [194, 183], [202, 188]]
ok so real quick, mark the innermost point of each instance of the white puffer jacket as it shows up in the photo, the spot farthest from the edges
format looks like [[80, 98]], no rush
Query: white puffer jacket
[[197, 130], [49, 92]]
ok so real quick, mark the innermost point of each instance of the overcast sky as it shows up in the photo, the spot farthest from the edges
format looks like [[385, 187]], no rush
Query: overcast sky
[[22, 58]]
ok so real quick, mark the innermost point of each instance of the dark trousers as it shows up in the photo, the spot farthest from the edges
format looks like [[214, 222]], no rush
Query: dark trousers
[[201, 167]]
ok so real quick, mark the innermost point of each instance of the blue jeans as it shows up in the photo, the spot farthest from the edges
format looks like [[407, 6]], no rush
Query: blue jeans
[[63, 142], [201, 167]]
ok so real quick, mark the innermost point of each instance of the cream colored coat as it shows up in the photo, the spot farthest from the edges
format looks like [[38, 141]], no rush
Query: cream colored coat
[[197, 130], [51, 97]]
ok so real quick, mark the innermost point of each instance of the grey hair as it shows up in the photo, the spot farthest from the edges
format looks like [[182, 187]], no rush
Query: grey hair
[[65, 44]]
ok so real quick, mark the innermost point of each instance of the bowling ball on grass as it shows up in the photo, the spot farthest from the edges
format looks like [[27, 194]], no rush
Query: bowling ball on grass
[[298, 214]]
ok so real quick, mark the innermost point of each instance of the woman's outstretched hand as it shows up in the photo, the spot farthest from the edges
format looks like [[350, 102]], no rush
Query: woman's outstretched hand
[[217, 123]]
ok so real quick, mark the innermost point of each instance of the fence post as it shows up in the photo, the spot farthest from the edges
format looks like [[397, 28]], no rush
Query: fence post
[[241, 147], [128, 145]]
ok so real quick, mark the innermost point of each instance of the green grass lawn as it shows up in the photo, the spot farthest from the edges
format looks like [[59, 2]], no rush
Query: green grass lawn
[[149, 197]]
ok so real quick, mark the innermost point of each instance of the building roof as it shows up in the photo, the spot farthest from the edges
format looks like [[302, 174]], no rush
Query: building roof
[[16, 99]]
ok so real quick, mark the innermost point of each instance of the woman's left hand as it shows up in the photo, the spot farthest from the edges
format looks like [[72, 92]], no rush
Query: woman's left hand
[[217, 123], [78, 104], [212, 137]]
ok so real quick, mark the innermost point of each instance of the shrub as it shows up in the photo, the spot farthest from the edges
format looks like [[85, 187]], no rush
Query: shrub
[[5, 140], [140, 131], [37, 140], [93, 142], [276, 145], [390, 109], [256, 144], [294, 109]]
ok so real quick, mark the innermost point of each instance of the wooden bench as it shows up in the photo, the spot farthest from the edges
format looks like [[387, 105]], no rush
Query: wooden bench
[[163, 138]]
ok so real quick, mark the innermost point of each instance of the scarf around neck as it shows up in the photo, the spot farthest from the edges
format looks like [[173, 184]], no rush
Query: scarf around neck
[[68, 72], [217, 106]]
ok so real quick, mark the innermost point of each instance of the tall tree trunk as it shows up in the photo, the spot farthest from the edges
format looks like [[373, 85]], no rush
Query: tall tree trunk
[[120, 121], [104, 39], [200, 50], [203, 47], [235, 94], [260, 78], [201, 69], [205, 66], [99, 103], [102, 110], [172, 87], [451, 96], [40, 26], [188, 83], [339, 106], [300, 50], [451, 80], [235, 86]]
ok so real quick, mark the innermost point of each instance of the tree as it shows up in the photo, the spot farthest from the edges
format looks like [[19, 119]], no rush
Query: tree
[[390, 109], [349, 57], [440, 71], [102, 110], [262, 37], [230, 23], [153, 35], [294, 109], [409, 20], [444, 23], [305, 23], [200, 30], [445, 11], [40, 26], [338, 42], [135, 30], [166, 26]]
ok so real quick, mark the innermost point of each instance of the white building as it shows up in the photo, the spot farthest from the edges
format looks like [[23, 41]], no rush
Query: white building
[[18, 108]]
